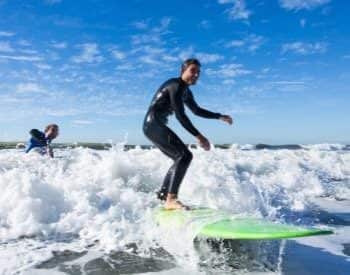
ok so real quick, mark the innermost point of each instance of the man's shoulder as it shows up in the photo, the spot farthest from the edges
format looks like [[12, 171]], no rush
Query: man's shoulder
[[171, 82]]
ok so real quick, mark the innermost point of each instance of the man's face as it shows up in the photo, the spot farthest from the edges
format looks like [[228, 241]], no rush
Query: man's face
[[191, 74], [53, 132]]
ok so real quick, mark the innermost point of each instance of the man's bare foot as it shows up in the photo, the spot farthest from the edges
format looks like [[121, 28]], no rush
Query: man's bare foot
[[175, 205], [172, 203]]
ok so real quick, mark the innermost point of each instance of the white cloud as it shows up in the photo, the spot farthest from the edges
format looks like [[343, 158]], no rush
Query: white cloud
[[153, 35], [29, 88], [284, 82], [302, 4], [238, 11], [140, 25], [43, 66], [149, 60], [164, 24], [63, 112], [204, 24], [151, 55], [90, 54], [250, 43], [263, 88], [6, 47], [186, 53], [82, 122], [27, 51], [6, 34], [235, 43], [302, 22], [170, 58], [228, 71], [255, 90], [254, 42], [304, 48], [59, 45], [291, 87], [125, 67], [21, 57], [24, 43], [119, 55], [208, 58], [151, 51], [226, 1], [145, 39], [265, 70], [229, 82]]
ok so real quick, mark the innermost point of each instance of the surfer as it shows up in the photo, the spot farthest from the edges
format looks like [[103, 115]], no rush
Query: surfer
[[170, 98], [41, 141]]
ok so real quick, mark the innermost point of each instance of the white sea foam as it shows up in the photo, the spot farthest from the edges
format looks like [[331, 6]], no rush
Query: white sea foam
[[106, 198]]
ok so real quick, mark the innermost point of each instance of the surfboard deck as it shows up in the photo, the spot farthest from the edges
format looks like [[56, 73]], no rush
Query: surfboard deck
[[211, 223]]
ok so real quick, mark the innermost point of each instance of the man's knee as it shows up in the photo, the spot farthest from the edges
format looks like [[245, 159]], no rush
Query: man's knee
[[187, 156]]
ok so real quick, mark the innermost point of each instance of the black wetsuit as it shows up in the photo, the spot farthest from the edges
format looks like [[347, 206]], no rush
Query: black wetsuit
[[170, 98]]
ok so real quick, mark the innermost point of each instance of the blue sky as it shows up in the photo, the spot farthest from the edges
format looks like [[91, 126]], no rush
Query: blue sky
[[279, 67]]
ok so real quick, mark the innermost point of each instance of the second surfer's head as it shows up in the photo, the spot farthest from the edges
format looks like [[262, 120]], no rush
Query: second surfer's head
[[52, 131], [190, 71]]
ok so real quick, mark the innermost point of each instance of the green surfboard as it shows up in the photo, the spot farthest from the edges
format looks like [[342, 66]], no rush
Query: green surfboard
[[210, 223]]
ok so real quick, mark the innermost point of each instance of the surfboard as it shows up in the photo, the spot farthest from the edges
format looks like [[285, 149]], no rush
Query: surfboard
[[211, 223]]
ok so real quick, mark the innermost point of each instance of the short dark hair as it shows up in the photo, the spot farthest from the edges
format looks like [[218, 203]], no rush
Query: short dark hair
[[48, 127], [189, 62]]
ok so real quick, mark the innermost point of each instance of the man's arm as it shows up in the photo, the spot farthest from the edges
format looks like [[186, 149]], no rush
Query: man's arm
[[38, 136], [192, 104], [178, 107]]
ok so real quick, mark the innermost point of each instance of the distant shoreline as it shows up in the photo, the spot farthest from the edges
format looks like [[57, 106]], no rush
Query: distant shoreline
[[94, 145], [106, 146]]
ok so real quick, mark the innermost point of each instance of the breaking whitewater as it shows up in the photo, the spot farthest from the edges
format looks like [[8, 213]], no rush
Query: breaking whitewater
[[90, 211]]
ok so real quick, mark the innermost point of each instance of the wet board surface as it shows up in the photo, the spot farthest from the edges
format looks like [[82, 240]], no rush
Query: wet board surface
[[213, 223]]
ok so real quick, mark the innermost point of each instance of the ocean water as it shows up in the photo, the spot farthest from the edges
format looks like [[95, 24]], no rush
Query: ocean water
[[91, 212]]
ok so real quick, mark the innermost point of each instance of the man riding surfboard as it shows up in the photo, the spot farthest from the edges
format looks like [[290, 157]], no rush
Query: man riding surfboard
[[171, 98]]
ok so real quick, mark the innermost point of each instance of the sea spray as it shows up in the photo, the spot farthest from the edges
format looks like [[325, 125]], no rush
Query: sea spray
[[103, 200]]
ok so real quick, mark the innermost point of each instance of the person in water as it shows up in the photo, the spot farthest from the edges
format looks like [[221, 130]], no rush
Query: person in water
[[170, 98], [41, 141]]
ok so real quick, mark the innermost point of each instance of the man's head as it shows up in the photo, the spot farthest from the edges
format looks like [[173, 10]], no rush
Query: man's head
[[52, 131], [190, 71]]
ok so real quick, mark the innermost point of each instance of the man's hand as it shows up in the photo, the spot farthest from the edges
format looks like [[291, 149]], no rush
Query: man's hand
[[227, 119], [203, 142]]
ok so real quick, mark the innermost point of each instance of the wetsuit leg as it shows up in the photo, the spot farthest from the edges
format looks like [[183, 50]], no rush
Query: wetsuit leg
[[163, 192], [171, 145]]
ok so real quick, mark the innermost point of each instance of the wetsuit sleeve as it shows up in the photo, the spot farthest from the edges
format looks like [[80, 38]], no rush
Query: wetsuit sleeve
[[177, 105], [38, 136], [192, 104]]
